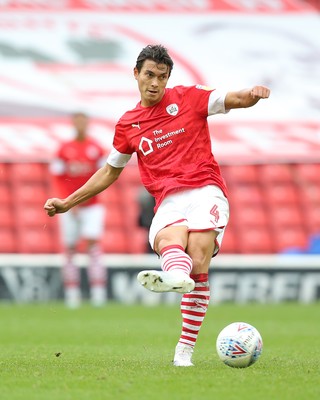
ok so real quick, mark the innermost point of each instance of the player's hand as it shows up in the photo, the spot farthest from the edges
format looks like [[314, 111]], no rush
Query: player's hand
[[55, 206], [260, 92]]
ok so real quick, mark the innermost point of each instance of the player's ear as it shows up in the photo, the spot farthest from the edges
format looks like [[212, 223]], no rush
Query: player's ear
[[135, 72]]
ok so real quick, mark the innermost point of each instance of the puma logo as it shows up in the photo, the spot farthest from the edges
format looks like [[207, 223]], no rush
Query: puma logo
[[136, 125]]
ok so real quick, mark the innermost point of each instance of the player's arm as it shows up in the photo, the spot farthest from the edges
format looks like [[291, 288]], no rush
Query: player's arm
[[246, 97], [98, 182]]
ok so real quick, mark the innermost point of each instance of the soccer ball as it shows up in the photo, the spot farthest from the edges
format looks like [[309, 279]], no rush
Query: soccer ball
[[239, 345]]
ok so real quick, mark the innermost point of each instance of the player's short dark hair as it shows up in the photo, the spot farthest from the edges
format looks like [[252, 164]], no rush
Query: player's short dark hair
[[156, 53]]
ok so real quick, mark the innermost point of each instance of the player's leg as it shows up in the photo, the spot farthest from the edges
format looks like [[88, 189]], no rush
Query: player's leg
[[194, 305], [92, 224], [176, 264], [70, 272]]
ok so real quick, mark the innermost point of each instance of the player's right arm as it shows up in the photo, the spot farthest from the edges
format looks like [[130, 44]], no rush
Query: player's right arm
[[98, 182]]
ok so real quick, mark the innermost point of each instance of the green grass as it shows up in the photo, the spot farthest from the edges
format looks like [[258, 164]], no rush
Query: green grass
[[125, 352]]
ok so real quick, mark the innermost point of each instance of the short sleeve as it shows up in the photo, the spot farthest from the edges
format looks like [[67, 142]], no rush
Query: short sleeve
[[117, 159], [216, 103]]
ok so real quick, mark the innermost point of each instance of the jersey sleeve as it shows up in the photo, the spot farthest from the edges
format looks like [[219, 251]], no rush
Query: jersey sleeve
[[216, 103], [117, 159]]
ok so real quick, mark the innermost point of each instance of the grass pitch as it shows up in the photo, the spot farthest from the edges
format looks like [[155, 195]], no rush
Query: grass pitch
[[124, 352]]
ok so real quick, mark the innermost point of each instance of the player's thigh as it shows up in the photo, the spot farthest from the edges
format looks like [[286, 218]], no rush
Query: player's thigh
[[171, 235], [201, 246], [92, 221]]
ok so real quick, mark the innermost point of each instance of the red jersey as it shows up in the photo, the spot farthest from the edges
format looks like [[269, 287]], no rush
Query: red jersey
[[75, 162], [172, 141]]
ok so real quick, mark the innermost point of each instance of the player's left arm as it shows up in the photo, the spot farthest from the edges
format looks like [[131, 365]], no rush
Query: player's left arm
[[246, 97]]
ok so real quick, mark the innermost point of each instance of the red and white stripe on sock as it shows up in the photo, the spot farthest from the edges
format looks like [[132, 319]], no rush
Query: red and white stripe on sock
[[193, 308], [174, 258], [70, 272], [96, 272]]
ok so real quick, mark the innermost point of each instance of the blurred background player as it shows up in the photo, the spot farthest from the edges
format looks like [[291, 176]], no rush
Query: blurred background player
[[75, 161]]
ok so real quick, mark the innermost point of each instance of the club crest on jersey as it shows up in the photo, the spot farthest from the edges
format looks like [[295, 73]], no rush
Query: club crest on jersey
[[172, 109], [202, 87]]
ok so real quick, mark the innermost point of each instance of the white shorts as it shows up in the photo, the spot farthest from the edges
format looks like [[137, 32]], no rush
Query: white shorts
[[82, 222], [200, 209]]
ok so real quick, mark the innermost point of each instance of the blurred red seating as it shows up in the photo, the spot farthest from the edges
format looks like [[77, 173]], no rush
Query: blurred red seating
[[114, 216], [252, 215], [5, 194], [28, 172], [4, 174], [289, 239], [130, 175], [7, 219], [26, 193], [310, 193], [254, 240], [285, 215], [307, 173], [229, 242], [137, 240], [36, 240], [115, 241], [271, 173], [245, 194], [240, 174], [281, 193], [112, 195], [31, 216], [312, 218], [8, 242]]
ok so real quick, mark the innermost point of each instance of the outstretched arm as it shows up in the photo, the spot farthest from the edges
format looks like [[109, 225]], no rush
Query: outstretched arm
[[246, 97], [98, 182]]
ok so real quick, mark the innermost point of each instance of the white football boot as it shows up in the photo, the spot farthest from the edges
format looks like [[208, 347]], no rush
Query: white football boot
[[183, 356], [160, 281]]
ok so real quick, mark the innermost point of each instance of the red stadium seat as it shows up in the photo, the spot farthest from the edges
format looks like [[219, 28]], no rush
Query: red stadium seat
[[229, 242], [7, 219], [252, 215], [245, 194], [312, 218], [130, 175], [5, 194], [36, 240], [254, 240], [8, 242], [30, 193], [281, 193], [31, 216], [115, 241], [305, 173], [4, 174], [285, 215], [240, 174], [289, 239], [112, 195], [271, 173], [310, 193], [114, 216], [28, 172], [138, 240]]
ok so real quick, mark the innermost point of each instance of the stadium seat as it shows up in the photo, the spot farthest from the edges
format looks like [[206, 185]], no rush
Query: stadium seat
[[285, 215], [229, 242], [245, 194], [28, 172], [130, 175], [35, 240], [4, 174], [310, 193], [240, 174], [271, 173], [137, 240], [5, 194], [115, 241], [254, 240], [289, 239], [281, 193], [8, 242], [112, 195], [31, 216], [249, 215], [307, 173], [7, 219], [312, 218], [29, 193], [114, 216]]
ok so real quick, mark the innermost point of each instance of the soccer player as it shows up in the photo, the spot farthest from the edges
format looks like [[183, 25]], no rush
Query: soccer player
[[169, 132], [75, 161]]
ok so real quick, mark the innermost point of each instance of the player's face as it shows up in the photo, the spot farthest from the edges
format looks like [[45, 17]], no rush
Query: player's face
[[152, 80]]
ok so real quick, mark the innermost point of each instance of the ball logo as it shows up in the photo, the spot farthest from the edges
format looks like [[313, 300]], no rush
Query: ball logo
[[172, 109]]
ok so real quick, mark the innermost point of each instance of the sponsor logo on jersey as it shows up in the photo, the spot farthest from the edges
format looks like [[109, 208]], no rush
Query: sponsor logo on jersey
[[172, 109], [136, 125], [145, 146]]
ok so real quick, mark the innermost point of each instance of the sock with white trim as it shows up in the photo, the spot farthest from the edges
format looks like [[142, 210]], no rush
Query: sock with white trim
[[175, 259]]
